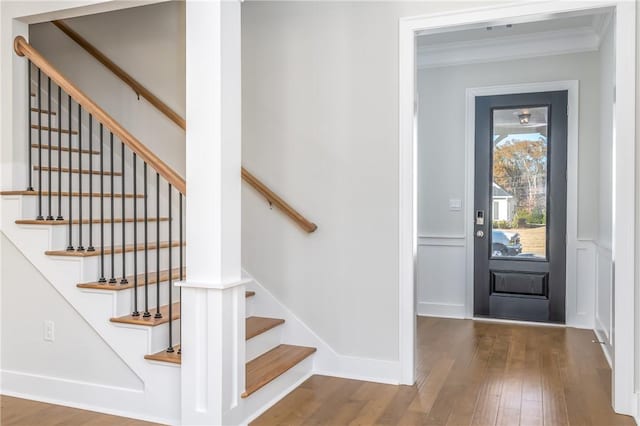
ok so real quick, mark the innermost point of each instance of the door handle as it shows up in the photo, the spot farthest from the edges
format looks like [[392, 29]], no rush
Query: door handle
[[480, 233]]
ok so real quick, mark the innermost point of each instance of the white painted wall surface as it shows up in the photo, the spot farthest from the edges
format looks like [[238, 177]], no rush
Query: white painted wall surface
[[441, 168], [320, 127], [148, 43], [604, 298], [77, 349]]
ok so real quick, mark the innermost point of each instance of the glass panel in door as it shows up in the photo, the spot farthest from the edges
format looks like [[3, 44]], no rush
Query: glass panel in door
[[519, 183]]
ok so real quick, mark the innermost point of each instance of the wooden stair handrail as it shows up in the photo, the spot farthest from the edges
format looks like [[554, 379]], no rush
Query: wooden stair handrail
[[122, 74], [162, 107], [273, 198], [23, 48]]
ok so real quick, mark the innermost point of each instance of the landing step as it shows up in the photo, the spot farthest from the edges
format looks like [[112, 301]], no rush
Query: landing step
[[151, 321], [64, 148], [269, 366], [53, 129], [258, 325], [107, 250], [66, 194], [84, 221], [164, 356], [43, 111], [83, 171]]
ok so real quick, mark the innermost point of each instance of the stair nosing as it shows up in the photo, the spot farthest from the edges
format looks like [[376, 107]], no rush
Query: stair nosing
[[34, 193], [53, 129], [150, 321], [75, 171], [44, 222], [107, 250], [270, 323], [63, 148], [305, 352]]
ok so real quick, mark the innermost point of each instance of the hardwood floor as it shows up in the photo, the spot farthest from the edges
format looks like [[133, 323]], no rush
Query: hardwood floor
[[471, 373], [23, 412]]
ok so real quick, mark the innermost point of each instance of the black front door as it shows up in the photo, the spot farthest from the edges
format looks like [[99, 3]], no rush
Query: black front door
[[520, 206]]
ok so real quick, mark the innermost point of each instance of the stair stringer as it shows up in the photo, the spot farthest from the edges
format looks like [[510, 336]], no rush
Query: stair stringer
[[158, 399]]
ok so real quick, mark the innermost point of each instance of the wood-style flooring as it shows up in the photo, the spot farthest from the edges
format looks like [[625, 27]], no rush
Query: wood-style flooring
[[22, 412], [471, 373]]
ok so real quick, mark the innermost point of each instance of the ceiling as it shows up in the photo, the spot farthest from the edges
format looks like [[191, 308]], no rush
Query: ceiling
[[564, 34], [517, 29]]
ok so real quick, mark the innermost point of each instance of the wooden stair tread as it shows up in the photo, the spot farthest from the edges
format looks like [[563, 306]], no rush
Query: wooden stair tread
[[151, 321], [64, 148], [258, 325], [53, 129], [66, 194], [107, 250], [83, 171], [165, 356], [270, 365], [43, 111], [84, 221], [164, 276]]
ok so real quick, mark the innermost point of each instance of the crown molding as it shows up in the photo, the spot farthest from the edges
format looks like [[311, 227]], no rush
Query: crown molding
[[573, 40]]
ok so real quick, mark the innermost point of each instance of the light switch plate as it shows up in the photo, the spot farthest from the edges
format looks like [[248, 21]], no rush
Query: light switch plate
[[455, 204]]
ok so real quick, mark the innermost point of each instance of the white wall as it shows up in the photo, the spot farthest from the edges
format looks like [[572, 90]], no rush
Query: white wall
[[441, 287], [320, 127], [148, 42], [603, 310], [78, 353]]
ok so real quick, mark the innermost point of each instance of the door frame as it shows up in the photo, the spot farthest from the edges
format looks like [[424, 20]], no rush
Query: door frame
[[624, 157], [573, 104]]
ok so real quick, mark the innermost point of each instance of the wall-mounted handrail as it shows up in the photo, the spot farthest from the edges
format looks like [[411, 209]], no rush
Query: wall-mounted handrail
[[122, 74], [23, 48], [272, 197]]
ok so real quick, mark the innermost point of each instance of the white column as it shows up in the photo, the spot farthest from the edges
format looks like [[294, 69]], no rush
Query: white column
[[213, 302]]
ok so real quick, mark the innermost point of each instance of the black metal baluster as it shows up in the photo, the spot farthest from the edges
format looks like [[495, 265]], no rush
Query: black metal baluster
[[112, 280], [102, 277], [39, 95], [170, 348], [146, 314], [49, 145], [80, 246], [180, 264], [29, 109], [124, 263], [135, 238], [158, 314], [60, 154], [70, 194], [90, 248]]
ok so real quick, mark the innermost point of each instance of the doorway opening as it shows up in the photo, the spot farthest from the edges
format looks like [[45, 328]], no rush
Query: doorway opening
[[460, 58]]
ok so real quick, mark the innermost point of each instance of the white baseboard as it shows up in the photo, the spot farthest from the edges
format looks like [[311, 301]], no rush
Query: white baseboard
[[443, 310], [606, 347], [76, 394], [326, 361]]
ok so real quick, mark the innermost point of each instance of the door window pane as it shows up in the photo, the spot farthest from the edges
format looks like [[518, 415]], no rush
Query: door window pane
[[519, 190]]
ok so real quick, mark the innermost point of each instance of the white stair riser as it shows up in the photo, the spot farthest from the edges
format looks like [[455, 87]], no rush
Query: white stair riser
[[62, 233], [30, 207], [125, 301], [264, 342], [91, 266]]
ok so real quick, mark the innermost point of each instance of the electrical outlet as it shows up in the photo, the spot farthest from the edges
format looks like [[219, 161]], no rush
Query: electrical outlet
[[49, 331]]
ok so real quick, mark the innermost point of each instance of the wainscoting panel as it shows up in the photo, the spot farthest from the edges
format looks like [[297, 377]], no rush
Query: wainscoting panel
[[441, 277], [604, 299]]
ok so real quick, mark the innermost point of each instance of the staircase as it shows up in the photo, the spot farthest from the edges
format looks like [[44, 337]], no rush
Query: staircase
[[103, 219]]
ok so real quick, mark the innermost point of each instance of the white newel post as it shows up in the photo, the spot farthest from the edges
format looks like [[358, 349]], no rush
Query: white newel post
[[213, 302]]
